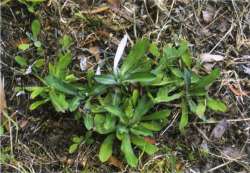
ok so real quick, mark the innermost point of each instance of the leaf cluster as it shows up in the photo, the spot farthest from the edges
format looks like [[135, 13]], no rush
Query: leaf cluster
[[129, 103]]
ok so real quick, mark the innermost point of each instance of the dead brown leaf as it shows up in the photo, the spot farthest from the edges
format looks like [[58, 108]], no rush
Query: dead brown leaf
[[149, 140], [95, 51], [21, 41], [114, 3], [236, 90], [115, 162], [96, 10]]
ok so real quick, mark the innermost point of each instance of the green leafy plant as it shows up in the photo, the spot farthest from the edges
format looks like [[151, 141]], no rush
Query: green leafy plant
[[128, 103], [59, 86], [37, 63], [36, 29]]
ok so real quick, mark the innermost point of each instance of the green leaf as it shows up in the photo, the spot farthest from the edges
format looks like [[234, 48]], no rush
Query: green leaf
[[160, 115], [184, 53], [23, 46], [1, 131], [153, 125], [62, 64], [60, 85], [88, 121], [141, 131], [134, 56], [109, 123], [36, 28], [59, 101], [37, 91], [114, 110], [144, 105], [74, 103], [187, 59], [177, 72], [135, 96], [38, 44], [73, 148], [154, 50], [216, 105], [66, 41], [21, 61], [184, 116], [207, 80], [38, 103], [163, 95], [39, 63], [106, 148], [126, 148], [201, 108], [143, 145], [140, 77], [107, 79], [77, 139]]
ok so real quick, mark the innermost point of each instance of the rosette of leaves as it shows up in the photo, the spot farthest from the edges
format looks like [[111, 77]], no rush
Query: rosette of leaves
[[125, 119]]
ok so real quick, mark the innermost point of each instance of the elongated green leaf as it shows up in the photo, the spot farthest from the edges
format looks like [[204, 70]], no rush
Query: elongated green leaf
[[114, 110], [88, 121], [59, 101], [109, 123], [106, 79], [166, 98], [143, 106], [143, 145], [21, 61], [60, 85], [36, 28], [37, 91], [160, 115], [106, 148], [62, 64], [38, 103], [184, 53], [140, 77], [151, 125], [184, 115], [127, 150], [141, 131], [207, 80], [201, 108], [66, 41], [216, 105], [135, 55], [74, 103]]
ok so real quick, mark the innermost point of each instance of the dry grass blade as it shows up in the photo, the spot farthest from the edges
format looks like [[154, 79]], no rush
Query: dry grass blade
[[3, 104]]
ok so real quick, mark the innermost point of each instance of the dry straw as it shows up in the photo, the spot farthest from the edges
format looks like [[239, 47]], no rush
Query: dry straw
[[2, 95]]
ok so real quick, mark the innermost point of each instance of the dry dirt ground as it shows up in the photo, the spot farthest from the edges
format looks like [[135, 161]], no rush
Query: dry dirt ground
[[220, 27]]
